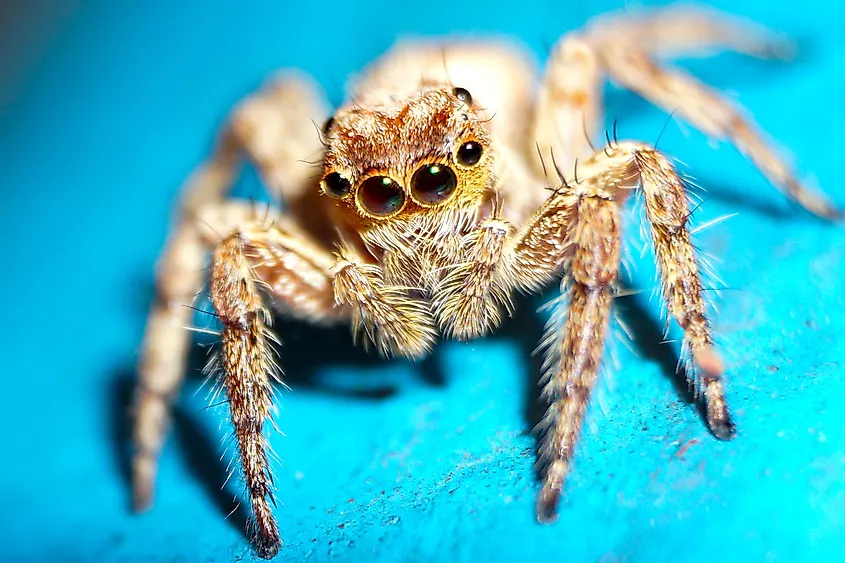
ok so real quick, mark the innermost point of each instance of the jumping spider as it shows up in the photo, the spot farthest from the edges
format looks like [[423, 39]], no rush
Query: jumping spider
[[431, 207]]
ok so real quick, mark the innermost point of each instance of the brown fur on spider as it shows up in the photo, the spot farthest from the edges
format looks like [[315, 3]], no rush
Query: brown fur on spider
[[431, 208]]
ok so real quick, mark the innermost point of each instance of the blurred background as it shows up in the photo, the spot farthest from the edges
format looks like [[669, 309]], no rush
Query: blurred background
[[106, 107]]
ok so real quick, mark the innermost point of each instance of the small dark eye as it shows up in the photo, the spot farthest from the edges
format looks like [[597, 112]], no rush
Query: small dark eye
[[470, 153], [463, 95], [433, 183], [327, 126], [381, 196], [336, 185]]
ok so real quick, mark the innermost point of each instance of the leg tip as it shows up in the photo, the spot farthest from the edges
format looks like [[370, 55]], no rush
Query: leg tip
[[547, 504], [141, 501], [835, 214], [265, 539], [267, 548], [779, 48], [142, 488], [723, 429], [815, 203], [824, 210]]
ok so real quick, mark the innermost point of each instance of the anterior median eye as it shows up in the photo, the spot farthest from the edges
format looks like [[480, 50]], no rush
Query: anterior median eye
[[381, 196], [433, 183]]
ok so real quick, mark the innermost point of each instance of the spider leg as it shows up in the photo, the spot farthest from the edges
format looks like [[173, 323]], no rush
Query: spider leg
[[574, 351], [166, 343], [568, 111], [709, 111], [686, 30], [577, 231], [277, 128], [271, 127], [252, 261]]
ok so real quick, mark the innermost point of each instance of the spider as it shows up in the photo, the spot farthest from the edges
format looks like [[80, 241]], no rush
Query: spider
[[431, 207]]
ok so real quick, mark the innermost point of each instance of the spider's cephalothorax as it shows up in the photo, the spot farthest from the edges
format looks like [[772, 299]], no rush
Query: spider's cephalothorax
[[412, 165], [412, 179], [432, 207]]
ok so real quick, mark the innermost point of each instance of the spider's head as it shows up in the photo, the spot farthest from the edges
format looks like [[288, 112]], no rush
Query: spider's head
[[409, 159]]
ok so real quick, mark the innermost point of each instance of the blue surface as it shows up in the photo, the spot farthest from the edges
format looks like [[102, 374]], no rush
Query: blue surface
[[107, 106]]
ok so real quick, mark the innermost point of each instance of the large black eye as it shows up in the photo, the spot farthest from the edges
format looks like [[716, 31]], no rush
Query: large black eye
[[336, 185], [470, 153], [381, 196], [463, 95], [433, 183], [327, 125]]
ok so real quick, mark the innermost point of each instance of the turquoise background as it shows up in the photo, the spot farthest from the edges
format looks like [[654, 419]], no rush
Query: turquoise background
[[107, 106]]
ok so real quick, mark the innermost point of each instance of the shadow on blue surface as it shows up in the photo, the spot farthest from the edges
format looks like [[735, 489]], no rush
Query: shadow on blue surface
[[305, 359]]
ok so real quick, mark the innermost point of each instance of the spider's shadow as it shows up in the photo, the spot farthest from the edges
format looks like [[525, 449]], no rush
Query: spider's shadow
[[304, 357]]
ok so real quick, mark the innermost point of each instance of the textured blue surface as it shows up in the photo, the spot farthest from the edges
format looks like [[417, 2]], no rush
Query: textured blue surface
[[107, 106]]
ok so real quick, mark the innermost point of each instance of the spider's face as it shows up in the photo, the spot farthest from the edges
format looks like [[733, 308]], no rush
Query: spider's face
[[424, 155]]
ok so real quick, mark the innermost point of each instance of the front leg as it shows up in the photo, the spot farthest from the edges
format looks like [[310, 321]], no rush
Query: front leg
[[255, 260], [577, 231]]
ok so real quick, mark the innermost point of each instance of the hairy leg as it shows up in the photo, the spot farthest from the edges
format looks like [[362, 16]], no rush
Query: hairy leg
[[277, 128], [683, 30], [273, 128], [674, 90], [254, 260], [626, 47], [568, 110], [167, 340], [574, 350], [568, 113], [577, 231]]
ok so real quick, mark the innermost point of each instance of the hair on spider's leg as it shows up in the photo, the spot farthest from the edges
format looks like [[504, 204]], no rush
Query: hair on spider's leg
[[663, 129], [561, 176], [586, 133], [712, 223], [445, 65], [547, 186], [542, 162], [619, 335], [196, 217]]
